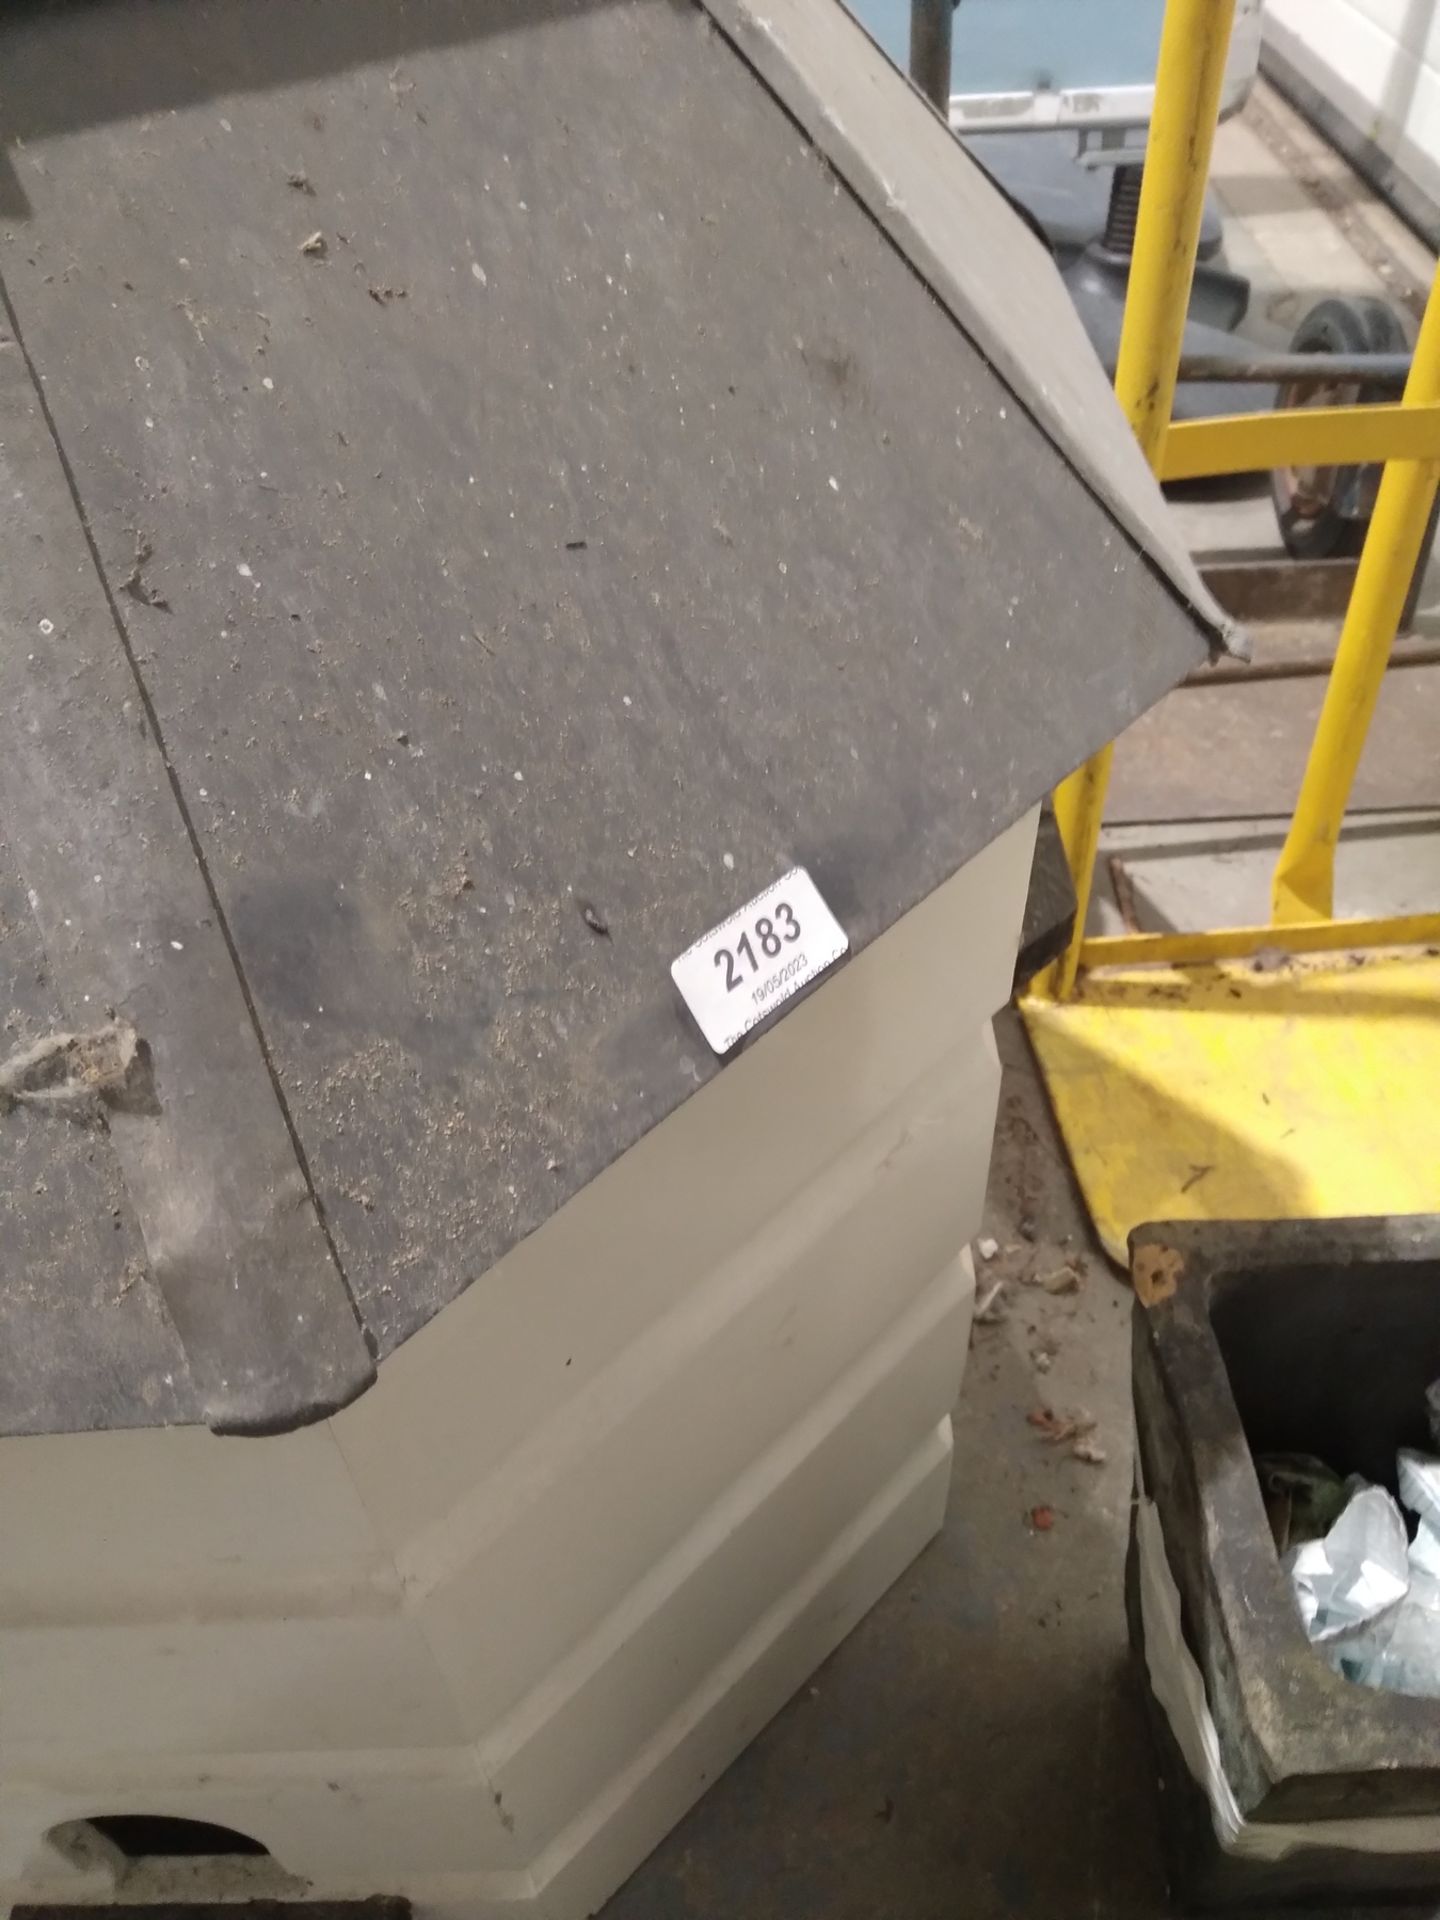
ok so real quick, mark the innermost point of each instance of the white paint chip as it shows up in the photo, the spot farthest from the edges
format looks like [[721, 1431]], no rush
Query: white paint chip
[[479, 273]]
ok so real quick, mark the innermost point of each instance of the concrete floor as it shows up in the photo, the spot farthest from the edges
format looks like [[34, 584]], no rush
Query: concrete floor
[[975, 1748], [1217, 873]]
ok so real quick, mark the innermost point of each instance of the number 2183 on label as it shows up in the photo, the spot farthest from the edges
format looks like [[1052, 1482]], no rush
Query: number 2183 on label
[[754, 961], [771, 935]]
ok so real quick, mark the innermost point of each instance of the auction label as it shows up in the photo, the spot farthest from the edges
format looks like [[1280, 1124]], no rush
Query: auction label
[[742, 970]]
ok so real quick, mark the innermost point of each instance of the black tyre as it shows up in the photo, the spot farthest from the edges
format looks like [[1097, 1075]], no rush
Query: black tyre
[[1317, 506]]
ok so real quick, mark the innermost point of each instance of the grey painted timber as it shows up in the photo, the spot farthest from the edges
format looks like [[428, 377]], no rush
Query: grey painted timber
[[478, 474]]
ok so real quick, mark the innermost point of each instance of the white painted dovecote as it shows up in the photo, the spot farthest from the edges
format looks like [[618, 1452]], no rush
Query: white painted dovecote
[[492, 488]]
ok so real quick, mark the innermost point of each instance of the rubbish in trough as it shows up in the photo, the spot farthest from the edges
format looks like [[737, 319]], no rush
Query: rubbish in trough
[[1357, 1572], [1286, 1786], [1425, 1550], [1401, 1650], [1303, 1497], [1419, 1481], [1370, 1596]]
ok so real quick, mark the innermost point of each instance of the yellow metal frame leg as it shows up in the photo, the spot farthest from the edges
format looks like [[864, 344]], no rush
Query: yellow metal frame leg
[[1304, 883], [1079, 809], [1193, 49], [1254, 1072]]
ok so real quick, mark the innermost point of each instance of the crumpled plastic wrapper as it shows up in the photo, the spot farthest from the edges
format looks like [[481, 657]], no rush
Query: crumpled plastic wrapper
[[1419, 1483], [1357, 1572], [1368, 1595], [1425, 1551], [1401, 1650]]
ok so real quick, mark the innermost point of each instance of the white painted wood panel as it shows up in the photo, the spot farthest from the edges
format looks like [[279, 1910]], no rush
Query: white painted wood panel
[[1376, 64], [481, 1638]]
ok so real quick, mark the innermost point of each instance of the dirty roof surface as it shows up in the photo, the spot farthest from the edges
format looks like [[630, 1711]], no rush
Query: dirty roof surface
[[452, 486]]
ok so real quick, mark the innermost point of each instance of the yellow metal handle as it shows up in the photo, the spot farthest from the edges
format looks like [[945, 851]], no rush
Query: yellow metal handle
[[1194, 45], [1193, 48], [1304, 883], [1300, 437]]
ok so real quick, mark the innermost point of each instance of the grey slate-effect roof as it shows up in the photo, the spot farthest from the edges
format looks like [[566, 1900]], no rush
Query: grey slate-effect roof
[[670, 449]]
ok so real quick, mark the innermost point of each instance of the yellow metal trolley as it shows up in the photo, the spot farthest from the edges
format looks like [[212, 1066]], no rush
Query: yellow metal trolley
[[1276, 1071]]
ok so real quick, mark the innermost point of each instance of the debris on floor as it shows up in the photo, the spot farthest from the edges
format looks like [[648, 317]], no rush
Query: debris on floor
[[990, 1307], [1058, 1428], [1075, 1430], [70, 1071], [1065, 1279], [135, 584]]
